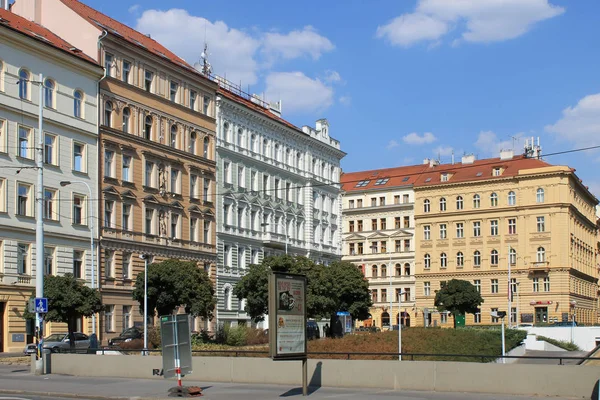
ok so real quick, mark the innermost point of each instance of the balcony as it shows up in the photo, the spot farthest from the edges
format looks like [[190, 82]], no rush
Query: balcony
[[539, 266]]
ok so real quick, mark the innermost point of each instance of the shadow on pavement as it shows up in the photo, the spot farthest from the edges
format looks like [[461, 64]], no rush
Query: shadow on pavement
[[313, 385]]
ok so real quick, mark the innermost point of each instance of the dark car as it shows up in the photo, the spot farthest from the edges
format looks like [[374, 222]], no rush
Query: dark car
[[127, 335], [312, 330], [565, 323]]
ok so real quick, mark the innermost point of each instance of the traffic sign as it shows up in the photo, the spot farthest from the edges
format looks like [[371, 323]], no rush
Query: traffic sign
[[41, 305]]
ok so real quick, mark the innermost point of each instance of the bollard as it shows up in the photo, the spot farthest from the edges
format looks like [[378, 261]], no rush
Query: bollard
[[47, 357]]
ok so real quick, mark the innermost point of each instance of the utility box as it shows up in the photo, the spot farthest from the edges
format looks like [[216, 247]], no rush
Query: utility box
[[460, 320]]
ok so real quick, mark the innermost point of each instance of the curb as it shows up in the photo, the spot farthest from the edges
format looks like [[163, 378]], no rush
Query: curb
[[77, 396]]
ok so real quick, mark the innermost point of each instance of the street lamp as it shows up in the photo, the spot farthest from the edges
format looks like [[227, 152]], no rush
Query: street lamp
[[501, 315], [91, 208], [145, 258], [265, 224], [400, 294]]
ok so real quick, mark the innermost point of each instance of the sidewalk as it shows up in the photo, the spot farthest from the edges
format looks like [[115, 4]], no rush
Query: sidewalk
[[16, 379]]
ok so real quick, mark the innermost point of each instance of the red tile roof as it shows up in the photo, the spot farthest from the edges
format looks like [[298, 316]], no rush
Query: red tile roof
[[39, 33], [424, 175], [104, 22]]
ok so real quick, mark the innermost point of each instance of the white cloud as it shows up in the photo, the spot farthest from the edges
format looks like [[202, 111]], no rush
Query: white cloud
[[298, 92], [296, 44], [392, 144], [580, 124], [345, 100], [414, 138], [489, 144], [231, 51], [133, 9], [483, 20], [332, 76], [443, 151]]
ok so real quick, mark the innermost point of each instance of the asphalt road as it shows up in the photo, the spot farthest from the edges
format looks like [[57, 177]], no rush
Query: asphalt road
[[27, 397]]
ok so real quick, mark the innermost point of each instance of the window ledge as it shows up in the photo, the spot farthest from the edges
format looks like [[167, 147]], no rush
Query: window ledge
[[80, 173], [25, 216], [26, 159]]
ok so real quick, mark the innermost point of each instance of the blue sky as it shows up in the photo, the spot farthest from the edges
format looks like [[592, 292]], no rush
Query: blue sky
[[403, 80]]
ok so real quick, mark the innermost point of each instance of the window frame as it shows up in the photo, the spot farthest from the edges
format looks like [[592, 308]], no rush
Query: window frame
[[28, 212], [50, 89], [78, 104], [83, 155], [54, 149], [25, 152], [24, 84]]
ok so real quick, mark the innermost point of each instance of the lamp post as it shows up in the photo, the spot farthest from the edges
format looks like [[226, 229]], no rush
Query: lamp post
[[145, 258], [517, 319], [573, 303], [400, 294], [91, 208], [265, 224], [501, 315]]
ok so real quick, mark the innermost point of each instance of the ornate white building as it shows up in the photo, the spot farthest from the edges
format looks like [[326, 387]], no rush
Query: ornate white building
[[278, 191], [70, 129]]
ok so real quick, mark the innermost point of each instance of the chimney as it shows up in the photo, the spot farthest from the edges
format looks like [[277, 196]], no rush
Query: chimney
[[468, 159], [4, 4], [433, 163], [506, 154], [426, 161]]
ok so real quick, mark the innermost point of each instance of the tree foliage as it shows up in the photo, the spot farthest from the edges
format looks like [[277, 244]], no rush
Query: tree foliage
[[458, 297], [68, 300], [174, 283], [338, 287]]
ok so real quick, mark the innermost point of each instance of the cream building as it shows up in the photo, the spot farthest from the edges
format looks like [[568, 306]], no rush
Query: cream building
[[479, 219], [378, 236], [70, 110]]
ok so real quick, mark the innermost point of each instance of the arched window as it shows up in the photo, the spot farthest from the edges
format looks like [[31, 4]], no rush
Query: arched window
[[540, 195], [226, 131], [398, 270], [459, 203], [24, 84], [443, 260], [383, 270], [288, 156], [374, 271], [494, 257], [174, 130], [427, 261], [476, 258], [78, 104], [512, 256], [49, 87], [512, 198], [265, 149], [385, 319], [443, 204], [227, 298], [193, 137], [460, 259], [426, 206], [108, 109], [298, 160], [205, 146], [253, 142], [126, 119], [407, 269], [240, 137], [476, 201], [541, 254], [494, 199], [148, 127]]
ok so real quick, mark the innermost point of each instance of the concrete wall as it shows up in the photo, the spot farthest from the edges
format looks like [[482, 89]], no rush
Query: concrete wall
[[584, 336], [541, 380], [531, 343]]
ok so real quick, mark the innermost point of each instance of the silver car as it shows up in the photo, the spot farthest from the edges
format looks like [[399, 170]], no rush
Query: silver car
[[58, 341]]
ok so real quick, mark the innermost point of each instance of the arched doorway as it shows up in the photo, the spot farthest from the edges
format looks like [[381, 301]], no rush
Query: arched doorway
[[385, 319], [405, 318]]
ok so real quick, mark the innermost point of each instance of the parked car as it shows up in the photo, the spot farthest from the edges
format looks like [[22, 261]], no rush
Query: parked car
[[58, 341], [312, 330], [564, 323], [30, 349], [127, 335]]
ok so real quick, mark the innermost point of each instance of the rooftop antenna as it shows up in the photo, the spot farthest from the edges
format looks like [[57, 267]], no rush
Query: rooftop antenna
[[514, 139], [206, 67]]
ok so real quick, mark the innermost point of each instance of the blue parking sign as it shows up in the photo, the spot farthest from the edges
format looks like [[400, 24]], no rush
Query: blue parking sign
[[41, 305]]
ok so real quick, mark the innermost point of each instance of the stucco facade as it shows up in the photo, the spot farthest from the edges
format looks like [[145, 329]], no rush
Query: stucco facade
[[476, 220], [70, 154], [279, 191]]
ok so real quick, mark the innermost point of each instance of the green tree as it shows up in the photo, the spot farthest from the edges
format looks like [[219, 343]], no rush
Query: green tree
[[173, 283], [338, 287], [458, 297], [68, 300]]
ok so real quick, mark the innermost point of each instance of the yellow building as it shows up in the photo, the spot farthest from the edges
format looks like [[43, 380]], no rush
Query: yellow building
[[478, 220]]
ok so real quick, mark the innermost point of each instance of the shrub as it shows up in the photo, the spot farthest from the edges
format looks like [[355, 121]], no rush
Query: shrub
[[236, 335], [256, 336], [154, 340], [563, 344]]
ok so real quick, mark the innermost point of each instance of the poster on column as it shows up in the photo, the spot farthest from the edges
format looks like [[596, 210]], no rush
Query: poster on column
[[287, 316]]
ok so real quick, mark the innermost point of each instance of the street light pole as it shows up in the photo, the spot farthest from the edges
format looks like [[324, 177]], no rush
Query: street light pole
[[91, 208], [145, 258], [400, 294], [39, 229]]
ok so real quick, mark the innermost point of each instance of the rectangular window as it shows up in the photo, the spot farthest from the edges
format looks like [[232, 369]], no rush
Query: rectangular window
[[79, 210], [109, 318], [126, 71], [384, 247], [206, 232], [443, 232], [494, 285], [108, 63], [127, 317], [22, 258], [173, 91], [373, 224], [512, 226], [109, 165], [2, 202], [149, 221], [406, 244], [175, 183], [193, 98], [477, 284], [50, 149], [175, 226], [513, 315], [78, 264], [382, 201], [383, 295], [193, 186], [79, 163], [397, 199], [3, 135], [444, 314], [476, 229], [427, 288], [149, 176], [494, 227], [109, 263], [541, 224], [25, 143], [148, 79], [50, 210], [477, 317], [127, 265], [205, 192], [546, 284], [351, 226], [374, 295], [24, 200], [126, 174], [193, 229], [397, 223], [109, 208], [405, 198], [427, 232], [227, 172], [360, 248], [240, 177], [48, 260], [206, 105], [383, 224], [407, 221], [127, 217], [460, 232], [359, 203], [536, 284]]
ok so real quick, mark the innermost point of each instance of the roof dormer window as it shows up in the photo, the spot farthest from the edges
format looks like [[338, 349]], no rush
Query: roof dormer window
[[445, 177], [497, 171]]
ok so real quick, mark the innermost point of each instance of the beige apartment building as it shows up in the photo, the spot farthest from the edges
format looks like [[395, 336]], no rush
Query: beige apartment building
[[156, 154], [378, 236], [479, 219]]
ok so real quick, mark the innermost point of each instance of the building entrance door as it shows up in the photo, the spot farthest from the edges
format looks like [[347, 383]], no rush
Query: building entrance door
[[541, 315], [2, 308]]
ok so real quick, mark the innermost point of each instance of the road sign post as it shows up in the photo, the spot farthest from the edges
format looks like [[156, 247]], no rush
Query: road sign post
[[177, 348]]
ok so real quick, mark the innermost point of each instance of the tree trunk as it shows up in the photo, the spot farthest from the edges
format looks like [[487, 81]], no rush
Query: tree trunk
[[71, 325]]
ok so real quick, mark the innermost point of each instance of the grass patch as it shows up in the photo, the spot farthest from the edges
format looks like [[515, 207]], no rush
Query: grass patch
[[563, 344]]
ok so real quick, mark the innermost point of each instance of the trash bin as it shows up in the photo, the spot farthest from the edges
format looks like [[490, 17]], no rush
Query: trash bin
[[47, 357]]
